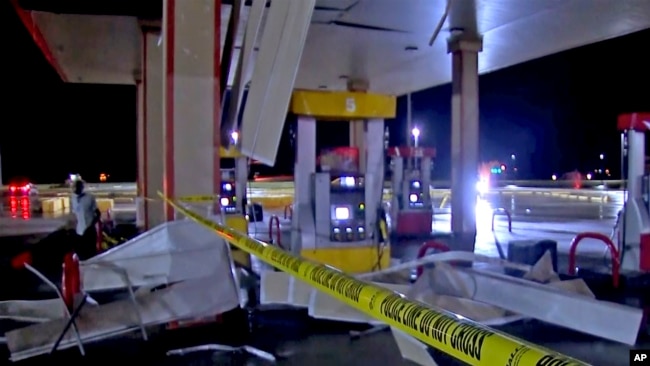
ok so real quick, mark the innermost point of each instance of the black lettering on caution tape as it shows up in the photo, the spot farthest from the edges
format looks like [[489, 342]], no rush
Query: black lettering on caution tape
[[516, 355], [551, 360], [440, 327], [285, 260], [337, 282], [373, 299], [197, 198], [469, 340], [251, 246]]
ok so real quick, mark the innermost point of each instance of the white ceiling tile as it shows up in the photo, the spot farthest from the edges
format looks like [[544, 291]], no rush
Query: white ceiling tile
[[514, 31]]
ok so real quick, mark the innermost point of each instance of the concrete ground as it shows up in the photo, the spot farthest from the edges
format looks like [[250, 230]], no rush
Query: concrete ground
[[305, 342]]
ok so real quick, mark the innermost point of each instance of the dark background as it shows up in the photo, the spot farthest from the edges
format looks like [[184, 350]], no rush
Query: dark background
[[555, 114]]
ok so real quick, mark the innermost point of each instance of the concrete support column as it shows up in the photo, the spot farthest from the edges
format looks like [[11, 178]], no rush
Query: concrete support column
[[358, 140], [191, 97], [374, 169], [139, 133], [304, 167], [140, 146], [150, 130], [358, 128], [464, 49]]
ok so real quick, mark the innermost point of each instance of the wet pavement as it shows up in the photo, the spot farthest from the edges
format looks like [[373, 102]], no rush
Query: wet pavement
[[302, 341], [305, 342], [534, 217]]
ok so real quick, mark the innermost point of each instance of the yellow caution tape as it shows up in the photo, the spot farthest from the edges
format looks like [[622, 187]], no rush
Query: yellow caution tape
[[109, 240], [459, 337], [190, 199]]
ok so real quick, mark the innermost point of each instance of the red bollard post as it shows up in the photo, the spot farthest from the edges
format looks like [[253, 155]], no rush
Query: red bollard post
[[288, 212], [275, 220], [100, 239], [71, 279], [502, 211], [616, 260], [19, 261], [431, 244]]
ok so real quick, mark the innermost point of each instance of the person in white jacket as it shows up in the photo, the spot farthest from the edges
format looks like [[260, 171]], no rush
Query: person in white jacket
[[86, 216]]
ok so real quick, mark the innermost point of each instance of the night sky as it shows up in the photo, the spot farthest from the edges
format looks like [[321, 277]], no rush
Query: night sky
[[556, 114]]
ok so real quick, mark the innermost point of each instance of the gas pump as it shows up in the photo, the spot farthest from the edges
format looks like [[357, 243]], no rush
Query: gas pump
[[228, 199], [232, 195], [234, 175], [340, 207], [336, 217], [411, 210], [635, 229]]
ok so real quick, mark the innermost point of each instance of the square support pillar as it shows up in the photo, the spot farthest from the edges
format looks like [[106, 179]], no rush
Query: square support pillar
[[464, 49], [358, 140], [374, 169], [304, 168], [150, 131], [191, 98], [140, 147]]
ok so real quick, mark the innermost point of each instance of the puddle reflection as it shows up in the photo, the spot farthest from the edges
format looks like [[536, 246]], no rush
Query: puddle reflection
[[20, 208]]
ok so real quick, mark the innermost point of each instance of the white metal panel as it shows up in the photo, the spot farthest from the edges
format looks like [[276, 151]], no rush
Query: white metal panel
[[552, 305], [273, 78], [493, 14], [319, 16], [335, 4], [333, 51], [325, 16], [105, 49], [259, 91], [521, 34], [91, 48], [574, 24], [244, 59], [172, 252], [415, 16], [198, 297]]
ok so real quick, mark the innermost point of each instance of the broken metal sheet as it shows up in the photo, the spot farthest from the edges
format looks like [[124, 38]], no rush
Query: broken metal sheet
[[445, 290], [209, 295], [274, 288], [456, 256], [550, 304], [323, 306], [172, 252], [412, 349], [279, 288], [33, 311], [299, 293]]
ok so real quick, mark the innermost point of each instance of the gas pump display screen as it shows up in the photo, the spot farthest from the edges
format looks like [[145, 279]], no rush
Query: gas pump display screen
[[646, 191], [227, 199], [227, 187], [341, 213], [227, 174], [348, 223], [415, 194], [347, 208], [348, 183]]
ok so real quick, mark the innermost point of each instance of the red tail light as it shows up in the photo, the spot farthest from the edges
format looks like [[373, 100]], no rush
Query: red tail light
[[12, 188], [25, 188], [19, 261]]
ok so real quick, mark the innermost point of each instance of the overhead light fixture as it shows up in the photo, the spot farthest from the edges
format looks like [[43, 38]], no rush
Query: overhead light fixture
[[411, 48], [343, 77], [322, 87]]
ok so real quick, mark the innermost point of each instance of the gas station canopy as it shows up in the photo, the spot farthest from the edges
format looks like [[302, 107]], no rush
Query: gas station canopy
[[385, 42]]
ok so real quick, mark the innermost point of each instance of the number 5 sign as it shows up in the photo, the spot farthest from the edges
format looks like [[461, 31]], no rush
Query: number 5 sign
[[350, 105]]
